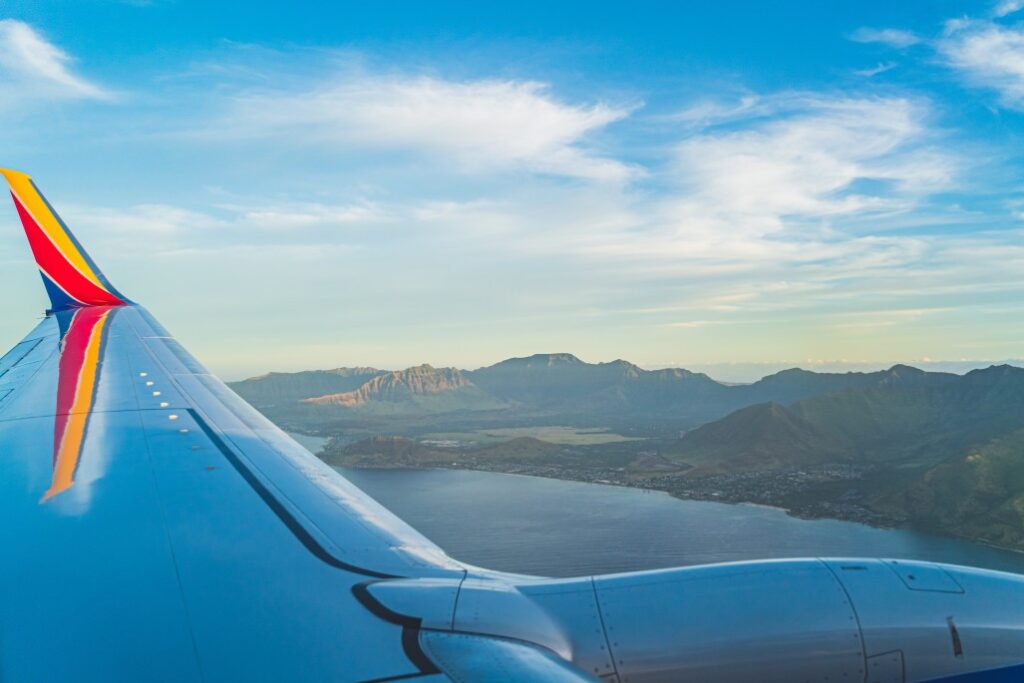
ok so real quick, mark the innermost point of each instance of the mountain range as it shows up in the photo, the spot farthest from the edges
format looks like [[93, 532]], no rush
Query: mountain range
[[902, 416], [940, 450], [544, 388]]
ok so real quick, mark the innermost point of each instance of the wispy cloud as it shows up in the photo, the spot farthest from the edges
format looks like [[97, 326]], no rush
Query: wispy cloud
[[893, 37], [985, 52], [698, 324], [32, 67], [475, 124], [879, 68], [713, 111], [770, 209], [297, 215], [823, 157], [987, 55], [151, 220], [164, 222], [871, 320], [1007, 7]]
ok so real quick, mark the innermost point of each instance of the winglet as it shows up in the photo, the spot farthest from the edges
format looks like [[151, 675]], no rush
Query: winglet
[[71, 278]]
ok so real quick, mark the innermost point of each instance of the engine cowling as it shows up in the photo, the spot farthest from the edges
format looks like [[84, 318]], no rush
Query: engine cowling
[[788, 621]]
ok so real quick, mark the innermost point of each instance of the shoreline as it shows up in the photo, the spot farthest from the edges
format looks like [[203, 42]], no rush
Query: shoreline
[[790, 512]]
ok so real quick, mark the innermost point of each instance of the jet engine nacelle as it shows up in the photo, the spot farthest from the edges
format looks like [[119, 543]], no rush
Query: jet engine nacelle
[[790, 621]]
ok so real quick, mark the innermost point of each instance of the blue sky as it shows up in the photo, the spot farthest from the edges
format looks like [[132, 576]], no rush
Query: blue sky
[[724, 186]]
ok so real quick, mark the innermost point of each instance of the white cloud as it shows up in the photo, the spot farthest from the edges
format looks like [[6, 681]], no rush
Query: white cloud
[[293, 215], [1007, 7], [988, 55], [801, 192], [779, 212], [874, 319], [879, 68], [37, 67], [893, 37], [706, 112], [475, 124], [828, 157], [693, 324], [160, 221], [152, 220]]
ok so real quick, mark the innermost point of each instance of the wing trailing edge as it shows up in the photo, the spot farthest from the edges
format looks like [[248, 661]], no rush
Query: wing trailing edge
[[71, 278]]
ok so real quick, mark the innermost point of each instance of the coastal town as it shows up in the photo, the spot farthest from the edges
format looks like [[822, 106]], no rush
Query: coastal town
[[830, 490]]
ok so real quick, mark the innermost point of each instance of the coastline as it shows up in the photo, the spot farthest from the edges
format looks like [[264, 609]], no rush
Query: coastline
[[873, 521]]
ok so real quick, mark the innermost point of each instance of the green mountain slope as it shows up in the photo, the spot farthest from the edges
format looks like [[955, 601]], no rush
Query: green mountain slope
[[762, 437], [912, 417], [563, 383], [945, 452], [978, 495]]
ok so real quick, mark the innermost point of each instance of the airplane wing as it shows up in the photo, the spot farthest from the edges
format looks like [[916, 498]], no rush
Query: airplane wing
[[158, 528]]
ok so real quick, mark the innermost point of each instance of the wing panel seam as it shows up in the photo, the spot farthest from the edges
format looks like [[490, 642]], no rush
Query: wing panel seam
[[278, 508]]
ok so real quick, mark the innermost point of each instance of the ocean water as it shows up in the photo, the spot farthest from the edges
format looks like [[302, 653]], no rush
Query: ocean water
[[562, 528]]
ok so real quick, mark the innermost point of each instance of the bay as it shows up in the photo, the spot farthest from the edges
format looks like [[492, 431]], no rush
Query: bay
[[550, 527]]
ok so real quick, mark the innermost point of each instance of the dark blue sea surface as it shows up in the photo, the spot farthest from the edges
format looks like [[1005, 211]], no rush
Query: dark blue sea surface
[[562, 528]]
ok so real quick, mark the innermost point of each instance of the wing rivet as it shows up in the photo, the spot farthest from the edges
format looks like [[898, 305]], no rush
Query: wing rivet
[[164, 404], [149, 383], [143, 374], [172, 417], [156, 393]]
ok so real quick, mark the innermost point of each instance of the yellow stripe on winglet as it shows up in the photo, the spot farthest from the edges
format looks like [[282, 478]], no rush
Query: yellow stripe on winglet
[[30, 198], [70, 450]]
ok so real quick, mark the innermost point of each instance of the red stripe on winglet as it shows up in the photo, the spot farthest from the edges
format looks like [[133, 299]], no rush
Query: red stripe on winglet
[[60, 270]]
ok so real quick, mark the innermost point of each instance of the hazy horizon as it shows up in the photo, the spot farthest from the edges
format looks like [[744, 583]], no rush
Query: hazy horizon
[[722, 372]]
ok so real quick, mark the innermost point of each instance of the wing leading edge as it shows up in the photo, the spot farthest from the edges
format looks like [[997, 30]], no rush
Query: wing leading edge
[[162, 528]]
